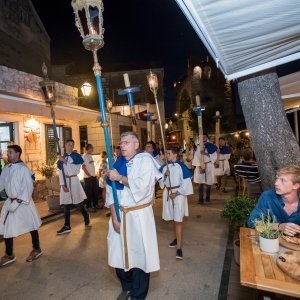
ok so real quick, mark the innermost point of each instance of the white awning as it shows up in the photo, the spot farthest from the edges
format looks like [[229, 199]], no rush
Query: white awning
[[246, 36], [10, 103], [290, 90]]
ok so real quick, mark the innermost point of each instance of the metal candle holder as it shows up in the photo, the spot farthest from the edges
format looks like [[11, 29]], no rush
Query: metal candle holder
[[89, 21]]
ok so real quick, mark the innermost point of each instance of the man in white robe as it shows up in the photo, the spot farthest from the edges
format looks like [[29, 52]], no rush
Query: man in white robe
[[132, 244], [71, 192], [177, 186], [19, 214], [206, 175], [222, 167]]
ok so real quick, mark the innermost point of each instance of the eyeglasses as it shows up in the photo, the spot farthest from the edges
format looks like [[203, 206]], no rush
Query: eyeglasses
[[126, 143]]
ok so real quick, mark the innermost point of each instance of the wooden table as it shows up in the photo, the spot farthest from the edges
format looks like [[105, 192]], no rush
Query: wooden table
[[259, 270]]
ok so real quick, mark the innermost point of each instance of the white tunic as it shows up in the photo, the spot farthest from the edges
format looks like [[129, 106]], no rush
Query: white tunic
[[142, 245], [224, 167], [208, 177], [18, 184], [76, 193], [178, 208]]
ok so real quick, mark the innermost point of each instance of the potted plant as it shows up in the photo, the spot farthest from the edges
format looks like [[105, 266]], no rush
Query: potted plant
[[48, 170], [237, 211], [268, 236]]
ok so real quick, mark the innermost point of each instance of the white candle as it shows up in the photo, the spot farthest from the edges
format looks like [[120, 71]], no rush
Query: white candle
[[198, 100], [217, 113], [126, 80]]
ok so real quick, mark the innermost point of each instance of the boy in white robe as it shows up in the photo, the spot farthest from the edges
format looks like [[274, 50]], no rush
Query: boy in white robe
[[18, 215], [175, 205], [132, 244], [205, 177], [71, 192]]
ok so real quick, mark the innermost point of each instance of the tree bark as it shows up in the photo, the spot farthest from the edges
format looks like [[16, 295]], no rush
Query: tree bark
[[272, 138]]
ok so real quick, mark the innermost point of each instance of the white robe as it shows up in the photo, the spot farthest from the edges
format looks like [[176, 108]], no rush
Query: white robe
[[209, 176], [142, 245], [18, 184], [76, 193], [224, 167], [178, 208]]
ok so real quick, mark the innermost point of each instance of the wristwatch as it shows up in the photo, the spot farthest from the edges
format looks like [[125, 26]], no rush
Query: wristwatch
[[121, 180]]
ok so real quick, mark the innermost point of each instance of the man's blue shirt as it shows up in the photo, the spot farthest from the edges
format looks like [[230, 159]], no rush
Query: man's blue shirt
[[269, 200]]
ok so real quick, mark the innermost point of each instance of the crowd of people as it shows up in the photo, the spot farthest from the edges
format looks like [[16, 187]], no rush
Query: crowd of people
[[132, 240]]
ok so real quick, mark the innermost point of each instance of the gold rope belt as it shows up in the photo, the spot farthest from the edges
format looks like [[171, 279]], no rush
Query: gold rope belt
[[126, 210]]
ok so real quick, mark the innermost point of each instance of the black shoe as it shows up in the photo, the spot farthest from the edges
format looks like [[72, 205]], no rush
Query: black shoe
[[179, 254], [207, 200], [173, 244], [124, 295], [87, 220], [63, 230], [200, 202]]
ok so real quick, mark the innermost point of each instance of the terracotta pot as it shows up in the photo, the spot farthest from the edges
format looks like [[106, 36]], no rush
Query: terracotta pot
[[53, 202], [236, 251], [269, 245]]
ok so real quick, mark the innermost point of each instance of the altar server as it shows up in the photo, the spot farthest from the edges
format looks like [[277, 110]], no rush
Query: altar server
[[19, 214]]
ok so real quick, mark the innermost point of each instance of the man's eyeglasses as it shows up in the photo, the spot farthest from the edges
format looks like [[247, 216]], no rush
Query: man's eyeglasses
[[126, 143]]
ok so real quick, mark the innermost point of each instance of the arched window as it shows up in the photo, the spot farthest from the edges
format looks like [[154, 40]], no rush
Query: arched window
[[197, 73]]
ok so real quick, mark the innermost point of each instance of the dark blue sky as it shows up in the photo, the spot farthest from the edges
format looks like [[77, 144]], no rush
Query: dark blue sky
[[138, 34]]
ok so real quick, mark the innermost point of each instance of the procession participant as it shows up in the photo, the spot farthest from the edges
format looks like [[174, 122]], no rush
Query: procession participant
[[205, 176], [73, 193], [19, 214], [117, 153], [153, 151], [175, 204], [90, 180], [223, 165], [188, 155], [132, 244], [282, 202], [102, 175]]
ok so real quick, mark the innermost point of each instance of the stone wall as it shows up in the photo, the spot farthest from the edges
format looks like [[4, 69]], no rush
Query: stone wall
[[25, 44], [18, 82]]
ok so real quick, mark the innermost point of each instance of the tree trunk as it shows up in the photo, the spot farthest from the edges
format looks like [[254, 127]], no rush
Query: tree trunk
[[272, 138]]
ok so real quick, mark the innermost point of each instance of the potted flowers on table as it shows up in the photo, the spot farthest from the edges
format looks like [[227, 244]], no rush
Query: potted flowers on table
[[268, 236]]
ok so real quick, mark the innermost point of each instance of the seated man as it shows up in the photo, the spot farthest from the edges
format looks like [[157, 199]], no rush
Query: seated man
[[283, 202], [248, 169]]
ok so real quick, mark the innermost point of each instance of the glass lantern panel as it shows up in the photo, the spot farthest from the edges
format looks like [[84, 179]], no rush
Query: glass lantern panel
[[94, 18], [83, 21]]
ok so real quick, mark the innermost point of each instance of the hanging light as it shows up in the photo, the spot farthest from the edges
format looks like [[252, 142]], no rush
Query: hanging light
[[86, 89]]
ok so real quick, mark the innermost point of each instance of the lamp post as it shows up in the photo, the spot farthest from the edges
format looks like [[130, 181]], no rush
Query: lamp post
[[48, 89], [153, 85], [89, 21]]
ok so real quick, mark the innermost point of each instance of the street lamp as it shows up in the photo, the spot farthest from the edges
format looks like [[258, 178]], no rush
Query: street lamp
[[86, 89], [89, 21], [48, 89]]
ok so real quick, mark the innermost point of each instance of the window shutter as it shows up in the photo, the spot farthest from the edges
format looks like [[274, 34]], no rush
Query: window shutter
[[67, 133]]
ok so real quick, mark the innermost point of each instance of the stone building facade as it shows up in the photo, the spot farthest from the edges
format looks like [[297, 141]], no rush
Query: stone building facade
[[25, 44]]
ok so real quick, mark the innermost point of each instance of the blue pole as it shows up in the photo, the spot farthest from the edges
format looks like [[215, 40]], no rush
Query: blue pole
[[107, 141]]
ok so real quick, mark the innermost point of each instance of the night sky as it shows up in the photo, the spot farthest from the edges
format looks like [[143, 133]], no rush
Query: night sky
[[138, 34]]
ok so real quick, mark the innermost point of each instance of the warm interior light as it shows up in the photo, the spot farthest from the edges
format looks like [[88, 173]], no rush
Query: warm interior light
[[247, 134], [32, 124], [236, 135], [86, 89], [173, 137]]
